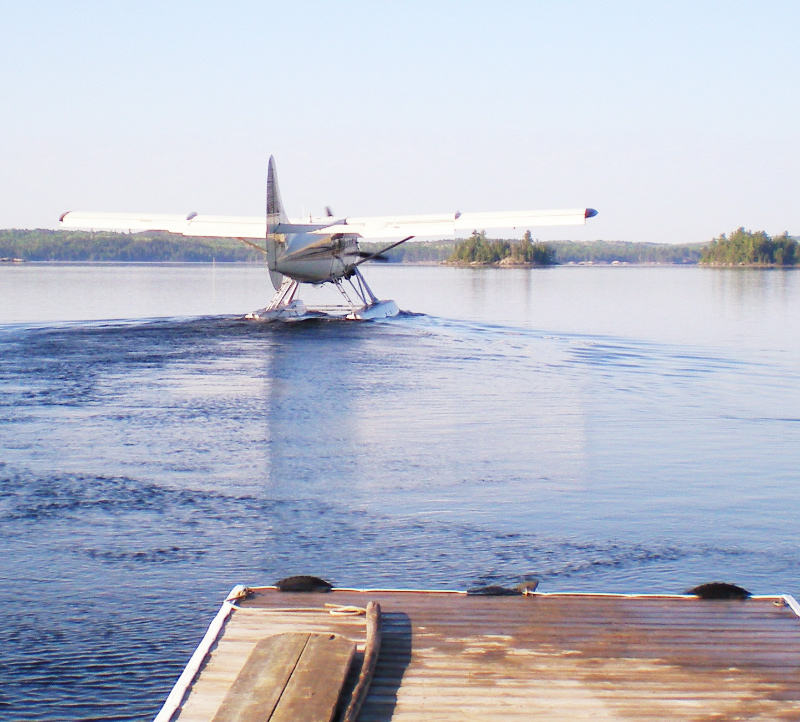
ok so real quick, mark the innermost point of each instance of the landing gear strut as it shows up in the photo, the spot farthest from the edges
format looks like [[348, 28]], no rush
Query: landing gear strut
[[285, 307]]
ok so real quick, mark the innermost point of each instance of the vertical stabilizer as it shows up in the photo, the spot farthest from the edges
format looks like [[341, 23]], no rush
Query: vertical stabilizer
[[275, 215]]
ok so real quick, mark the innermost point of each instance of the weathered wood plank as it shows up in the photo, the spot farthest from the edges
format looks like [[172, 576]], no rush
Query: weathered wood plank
[[255, 693], [312, 692]]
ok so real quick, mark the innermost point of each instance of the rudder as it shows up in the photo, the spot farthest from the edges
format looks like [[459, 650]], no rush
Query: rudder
[[275, 215]]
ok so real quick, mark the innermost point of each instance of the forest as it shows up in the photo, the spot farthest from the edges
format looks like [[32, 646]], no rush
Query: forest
[[85, 246], [625, 252], [418, 252], [479, 250]]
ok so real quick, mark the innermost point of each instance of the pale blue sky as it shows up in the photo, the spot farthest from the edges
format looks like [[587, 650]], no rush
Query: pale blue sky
[[676, 120]]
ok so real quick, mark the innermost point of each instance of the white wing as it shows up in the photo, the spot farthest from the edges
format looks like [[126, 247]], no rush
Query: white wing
[[444, 224], [447, 224], [191, 225]]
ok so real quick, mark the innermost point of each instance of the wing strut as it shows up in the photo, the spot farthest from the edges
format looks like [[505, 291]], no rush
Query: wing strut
[[383, 250], [252, 245]]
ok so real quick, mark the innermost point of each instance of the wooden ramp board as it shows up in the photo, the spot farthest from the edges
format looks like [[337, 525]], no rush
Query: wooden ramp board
[[289, 677], [447, 656]]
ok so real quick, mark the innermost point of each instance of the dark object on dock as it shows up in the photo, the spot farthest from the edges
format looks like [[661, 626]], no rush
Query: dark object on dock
[[303, 583], [719, 590], [493, 590], [528, 586]]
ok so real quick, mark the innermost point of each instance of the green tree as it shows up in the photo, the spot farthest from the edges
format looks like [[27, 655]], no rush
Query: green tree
[[743, 247], [480, 250]]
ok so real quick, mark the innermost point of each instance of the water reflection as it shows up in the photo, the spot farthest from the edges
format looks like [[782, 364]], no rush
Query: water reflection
[[311, 378], [755, 287]]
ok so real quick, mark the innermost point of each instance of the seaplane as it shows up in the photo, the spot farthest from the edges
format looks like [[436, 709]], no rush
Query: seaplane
[[320, 250]]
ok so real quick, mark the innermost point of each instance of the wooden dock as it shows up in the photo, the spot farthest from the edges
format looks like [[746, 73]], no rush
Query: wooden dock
[[450, 656]]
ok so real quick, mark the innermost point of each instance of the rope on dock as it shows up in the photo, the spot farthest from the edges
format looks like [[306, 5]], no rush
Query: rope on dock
[[341, 610], [336, 610]]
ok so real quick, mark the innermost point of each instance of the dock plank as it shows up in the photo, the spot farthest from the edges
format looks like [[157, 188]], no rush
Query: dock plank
[[289, 677], [313, 691], [257, 689]]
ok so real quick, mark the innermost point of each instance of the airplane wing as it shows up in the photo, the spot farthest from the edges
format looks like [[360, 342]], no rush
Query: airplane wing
[[444, 224], [187, 225]]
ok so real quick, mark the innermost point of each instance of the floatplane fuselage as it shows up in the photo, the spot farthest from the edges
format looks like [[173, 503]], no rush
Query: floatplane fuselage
[[319, 250]]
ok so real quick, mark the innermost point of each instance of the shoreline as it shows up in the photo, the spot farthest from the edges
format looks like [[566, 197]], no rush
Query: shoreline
[[17, 262]]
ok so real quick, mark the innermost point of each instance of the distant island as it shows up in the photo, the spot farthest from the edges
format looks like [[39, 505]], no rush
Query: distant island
[[479, 250], [745, 248], [739, 248]]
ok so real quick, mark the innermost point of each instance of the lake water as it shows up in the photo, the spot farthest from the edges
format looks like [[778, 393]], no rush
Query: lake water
[[612, 429]]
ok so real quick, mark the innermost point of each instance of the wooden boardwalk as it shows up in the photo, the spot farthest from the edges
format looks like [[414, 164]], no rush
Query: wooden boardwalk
[[448, 656]]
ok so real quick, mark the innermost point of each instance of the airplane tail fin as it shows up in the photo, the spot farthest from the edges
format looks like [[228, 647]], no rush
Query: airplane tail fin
[[275, 215]]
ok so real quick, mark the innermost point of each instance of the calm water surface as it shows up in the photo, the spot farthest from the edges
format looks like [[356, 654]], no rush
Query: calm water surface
[[612, 429]]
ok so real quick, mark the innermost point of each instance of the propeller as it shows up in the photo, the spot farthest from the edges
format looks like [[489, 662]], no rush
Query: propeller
[[363, 255]]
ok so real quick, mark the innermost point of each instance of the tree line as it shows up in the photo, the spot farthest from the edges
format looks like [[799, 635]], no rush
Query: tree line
[[740, 247], [47, 245], [625, 252], [477, 249], [418, 252]]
